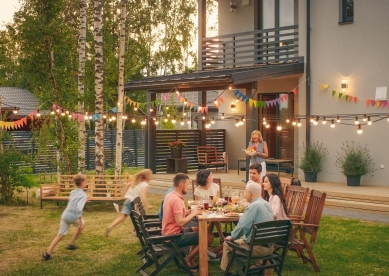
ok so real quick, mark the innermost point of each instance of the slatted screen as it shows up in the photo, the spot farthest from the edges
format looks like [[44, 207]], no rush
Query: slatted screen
[[192, 138]]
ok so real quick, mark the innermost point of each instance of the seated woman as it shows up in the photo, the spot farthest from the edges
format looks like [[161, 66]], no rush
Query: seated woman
[[206, 189], [274, 194]]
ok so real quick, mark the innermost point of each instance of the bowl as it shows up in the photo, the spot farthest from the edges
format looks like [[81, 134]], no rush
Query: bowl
[[249, 153]]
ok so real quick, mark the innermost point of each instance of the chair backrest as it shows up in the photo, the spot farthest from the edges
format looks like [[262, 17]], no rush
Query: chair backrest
[[134, 216], [314, 211], [285, 182], [215, 180], [137, 205], [295, 198], [269, 232], [206, 154]]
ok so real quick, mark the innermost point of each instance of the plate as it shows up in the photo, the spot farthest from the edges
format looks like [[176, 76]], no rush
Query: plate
[[249, 153], [232, 215]]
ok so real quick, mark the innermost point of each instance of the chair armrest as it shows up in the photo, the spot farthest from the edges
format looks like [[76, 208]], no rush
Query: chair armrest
[[237, 247], [158, 239]]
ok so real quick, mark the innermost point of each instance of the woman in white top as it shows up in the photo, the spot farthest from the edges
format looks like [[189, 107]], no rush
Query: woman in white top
[[136, 188], [204, 190], [274, 194]]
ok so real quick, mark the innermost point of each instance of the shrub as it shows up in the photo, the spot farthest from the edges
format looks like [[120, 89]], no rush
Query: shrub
[[312, 157], [354, 159]]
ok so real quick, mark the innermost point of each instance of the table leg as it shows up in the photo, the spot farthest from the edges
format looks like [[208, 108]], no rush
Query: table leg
[[203, 248]]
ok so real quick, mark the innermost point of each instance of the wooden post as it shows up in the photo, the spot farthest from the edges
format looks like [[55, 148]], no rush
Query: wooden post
[[251, 121], [151, 131], [202, 31]]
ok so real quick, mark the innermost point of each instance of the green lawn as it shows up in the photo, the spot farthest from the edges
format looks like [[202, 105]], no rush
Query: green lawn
[[343, 247]]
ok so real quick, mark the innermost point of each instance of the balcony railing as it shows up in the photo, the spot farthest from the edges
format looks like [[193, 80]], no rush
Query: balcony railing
[[261, 47]]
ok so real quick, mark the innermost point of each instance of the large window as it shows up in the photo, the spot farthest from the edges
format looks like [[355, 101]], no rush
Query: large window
[[346, 11]]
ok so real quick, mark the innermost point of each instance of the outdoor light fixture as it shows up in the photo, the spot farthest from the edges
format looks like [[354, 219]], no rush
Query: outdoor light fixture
[[208, 124], [364, 118], [182, 121], [135, 108], [369, 122], [344, 86], [294, 122], [298, 123], [222, 116], [188, 122], [203, 117], [324, 121], [264, 121], [213, 120], [174, 120], [156, 122], [316, 121], [38, 114], [133, 120], [151, 109], [86, 116], [356, 120], [232, 6], [359, 131], [267, 126], [332, 123], [15, 110], [279, 127], [143, 122], [337, 119], [237, 122], [51, 112], [287, 120], [165, 120], [62, 113]]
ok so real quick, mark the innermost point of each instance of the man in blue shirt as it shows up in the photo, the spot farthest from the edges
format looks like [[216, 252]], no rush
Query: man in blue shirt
[[160, 207], [258, 210]]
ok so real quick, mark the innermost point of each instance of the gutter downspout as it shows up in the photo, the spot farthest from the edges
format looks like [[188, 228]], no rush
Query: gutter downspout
[[308, 75]]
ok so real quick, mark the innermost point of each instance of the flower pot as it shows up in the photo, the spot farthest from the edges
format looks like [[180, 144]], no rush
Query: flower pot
[[310, 176], [176, 153], [353, 180]]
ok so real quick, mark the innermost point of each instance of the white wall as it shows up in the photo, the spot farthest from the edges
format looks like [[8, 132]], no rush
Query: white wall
[[242, 20], [357, 52]]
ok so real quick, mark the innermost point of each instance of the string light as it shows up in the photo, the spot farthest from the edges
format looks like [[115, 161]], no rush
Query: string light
[[156, 122], [279, 127], [51, 112], [86, 117], [287, 120], [332, 123], [188, 122], [105, 116], [132, 120], [311, 120], [222, 116], [337, 119], [369, 122], [264, 121], [267, 126], [184, 114], [208, 124], [62, 113], [213, 120], [324, 120], [298, 123], [151, 109], [69, 116], [294, 122], [143, 122], [154, 119], [203, 117], [356, 120], [124, 117], [174, 120], [38, 114], [135, 108], [182, 121], [316, 121], [165, 119], [110, 120], [67, 112], [89, 117], [364, 118], [168, 115], [359, 131], [241, 121], [237, 122], [167, 107], [113, 118], [15, 110]]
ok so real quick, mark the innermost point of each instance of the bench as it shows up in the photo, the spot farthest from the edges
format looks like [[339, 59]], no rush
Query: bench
[[100, 188], [208, 157]]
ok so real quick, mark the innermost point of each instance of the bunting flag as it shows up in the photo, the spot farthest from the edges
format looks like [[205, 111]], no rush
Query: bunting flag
[[324, 86], [333, 93]]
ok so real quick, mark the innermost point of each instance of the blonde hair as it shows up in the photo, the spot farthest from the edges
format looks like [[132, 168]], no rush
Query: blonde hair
[[141, 176], [259, 136]]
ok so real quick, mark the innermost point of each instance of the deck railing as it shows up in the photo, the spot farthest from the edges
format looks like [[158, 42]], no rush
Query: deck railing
[[261, 47]]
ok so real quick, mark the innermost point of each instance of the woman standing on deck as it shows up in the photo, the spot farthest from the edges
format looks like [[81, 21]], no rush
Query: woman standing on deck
[[261, 152]]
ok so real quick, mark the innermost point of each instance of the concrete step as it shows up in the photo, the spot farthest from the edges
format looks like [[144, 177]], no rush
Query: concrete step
[[357, 205]]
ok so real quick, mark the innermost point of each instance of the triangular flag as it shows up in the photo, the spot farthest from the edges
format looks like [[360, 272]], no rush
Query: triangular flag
[[80, 117], [350, 98], [333, 93], [320, 87], [294, 91], [247, 99], [251, 102], [257, 104], [205, 108], [221, 99], [355, 99], [216, 103], [192, 105], [236, 92], [1, 124], [340, 95], [267, 103], [367, 102], [383, 104], [199, 108], [326, 85], [372, 102], [181, 99], [278, 100], [286, 96], [346, 97], [387, 104], [195, 109], [24, 120], [377, 103], [74, 116], [114, 109]]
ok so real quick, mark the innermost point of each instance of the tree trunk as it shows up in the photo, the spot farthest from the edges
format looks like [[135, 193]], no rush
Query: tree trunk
[[81, 86], [119, 121], [99, 93]]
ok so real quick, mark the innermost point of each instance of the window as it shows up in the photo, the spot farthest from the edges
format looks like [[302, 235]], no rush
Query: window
[[346, 11]]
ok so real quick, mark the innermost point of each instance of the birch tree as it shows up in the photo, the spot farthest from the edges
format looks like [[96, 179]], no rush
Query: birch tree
[[119, 125], [99, 81], [81, 85]]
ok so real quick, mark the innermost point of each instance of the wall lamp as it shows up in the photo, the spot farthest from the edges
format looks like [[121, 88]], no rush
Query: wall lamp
[[232, 6], [344, 86], [233, 107]]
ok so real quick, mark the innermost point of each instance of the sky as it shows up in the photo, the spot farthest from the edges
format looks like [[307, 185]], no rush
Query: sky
[[8, 8]]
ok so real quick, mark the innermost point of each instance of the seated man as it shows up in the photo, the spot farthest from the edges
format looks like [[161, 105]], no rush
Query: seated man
[[259, 210], [175, 217], [255, 173]]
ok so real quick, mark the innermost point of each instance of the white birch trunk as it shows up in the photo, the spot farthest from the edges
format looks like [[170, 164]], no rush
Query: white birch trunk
[[119, 121], [99, 92], [81, 86]]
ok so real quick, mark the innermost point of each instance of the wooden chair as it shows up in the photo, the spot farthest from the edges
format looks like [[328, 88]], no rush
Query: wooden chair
[[296, 197], [137, 205], [155, 247], [207, 157], [264, 234], [308, 229], [215, 180]]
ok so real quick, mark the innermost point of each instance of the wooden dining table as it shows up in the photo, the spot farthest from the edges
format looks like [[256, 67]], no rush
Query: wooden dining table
[[203, 232]]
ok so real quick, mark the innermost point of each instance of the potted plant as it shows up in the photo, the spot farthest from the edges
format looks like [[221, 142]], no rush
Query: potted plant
[[176, 148], [354, 161], [312, 157]]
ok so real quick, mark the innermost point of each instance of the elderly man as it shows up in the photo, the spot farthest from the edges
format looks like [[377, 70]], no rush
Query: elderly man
[[258, 210]]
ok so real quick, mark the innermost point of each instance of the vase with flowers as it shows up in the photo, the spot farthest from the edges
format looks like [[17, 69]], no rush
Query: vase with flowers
[[176, 148]]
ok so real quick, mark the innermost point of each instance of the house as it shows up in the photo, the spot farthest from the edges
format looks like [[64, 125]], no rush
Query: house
[[328, 57], [17, 103]]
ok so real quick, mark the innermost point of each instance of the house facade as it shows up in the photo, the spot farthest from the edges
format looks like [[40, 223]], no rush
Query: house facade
[[327, 58]]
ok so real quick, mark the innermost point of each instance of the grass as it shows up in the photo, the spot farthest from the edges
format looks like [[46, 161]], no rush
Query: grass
[[343, 247]]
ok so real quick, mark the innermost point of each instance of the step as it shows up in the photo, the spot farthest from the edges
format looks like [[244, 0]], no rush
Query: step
[[357, 206], [359, 197]]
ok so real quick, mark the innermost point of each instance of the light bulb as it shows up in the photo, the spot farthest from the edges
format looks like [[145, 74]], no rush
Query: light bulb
[[359, 131], [294, 122], [143, 122], [213, 120], [369, 122], [156, 122], [154, 118], [168, 115], [105, 117], [182, 121], [316, 121], [332, 123], [133, 120], [90, 117], [279, 127], [222, 116], [203, 117], [151, 109], [67, 112], [298, 123], [51, 112], [237, 122], [356, 120], [165, 120], [174, 120], [267, 126], [135, 108], [324, 121], [287, 120], [86, 117], [311, 120], [167, 107], [110, 119], [184, 114], [364, 118], [337, 119], [113, 118], [188, 122]]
